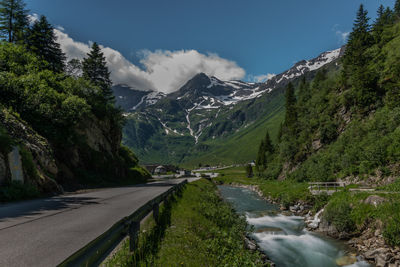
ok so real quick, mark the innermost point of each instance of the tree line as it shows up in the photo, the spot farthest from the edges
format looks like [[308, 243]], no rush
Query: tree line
[[368, 80], [38, 37]]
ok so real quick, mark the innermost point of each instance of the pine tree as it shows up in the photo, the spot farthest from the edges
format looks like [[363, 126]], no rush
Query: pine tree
[[95, 69], [397, 8], [280, 133], [291, 114], [43, 42], [359, 39], [74, 68], [14, 20], [268, 146], [355, 63], [261, 160]]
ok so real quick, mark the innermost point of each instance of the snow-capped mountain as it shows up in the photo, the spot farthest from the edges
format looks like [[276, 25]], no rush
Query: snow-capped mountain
[[204, 92], [131, 99], [207, 108]]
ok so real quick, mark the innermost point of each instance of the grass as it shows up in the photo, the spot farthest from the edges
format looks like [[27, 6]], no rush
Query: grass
[[203, 231]]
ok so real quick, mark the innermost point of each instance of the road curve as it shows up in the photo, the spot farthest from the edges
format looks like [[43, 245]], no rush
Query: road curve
[[45, 232]]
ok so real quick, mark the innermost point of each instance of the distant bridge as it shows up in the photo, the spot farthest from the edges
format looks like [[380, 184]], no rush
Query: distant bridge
[[318, 188]]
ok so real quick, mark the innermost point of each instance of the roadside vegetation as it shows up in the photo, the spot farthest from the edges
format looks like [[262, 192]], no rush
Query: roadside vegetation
[[202, 230]]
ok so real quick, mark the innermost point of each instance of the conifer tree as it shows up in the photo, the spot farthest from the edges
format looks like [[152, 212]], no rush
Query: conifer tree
[[359, 39], [355, 62], [397, 8], [261, 160], [14, 20], [291, 114], [95, 69], [268, 146], [43, 42]]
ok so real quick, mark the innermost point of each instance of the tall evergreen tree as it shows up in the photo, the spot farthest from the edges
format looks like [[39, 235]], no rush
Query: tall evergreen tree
[[268, 146], [43, 42], [261, 159], [355, 62], [14, 20], [95, 69], [291, 114], [359, 39], [397, 8]]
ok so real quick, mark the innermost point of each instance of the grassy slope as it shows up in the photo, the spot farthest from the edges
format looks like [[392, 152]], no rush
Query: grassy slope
[[242, 146], [204, 231]]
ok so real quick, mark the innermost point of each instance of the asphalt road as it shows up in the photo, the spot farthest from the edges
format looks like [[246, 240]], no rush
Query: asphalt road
[[45, 232]]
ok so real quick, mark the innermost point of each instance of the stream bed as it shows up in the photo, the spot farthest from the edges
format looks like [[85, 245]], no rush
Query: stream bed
[[284, 239]]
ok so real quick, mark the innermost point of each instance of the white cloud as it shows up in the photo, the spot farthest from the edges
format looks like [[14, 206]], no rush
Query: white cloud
[[261, 78], [341, 35], [164, 71]]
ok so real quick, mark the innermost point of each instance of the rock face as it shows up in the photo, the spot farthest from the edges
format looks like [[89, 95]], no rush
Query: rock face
[[15, 163], [372, 246], [38, 146]]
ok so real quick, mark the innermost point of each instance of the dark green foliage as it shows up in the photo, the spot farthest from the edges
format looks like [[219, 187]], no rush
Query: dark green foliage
[[338, 213], [16, 191], [95, 69], [13, 20], [265, 150], [392, 229], [6, 142], [249, 170], [397, 8], [52, 103], [28, 164], [43, 42], [261, 160], [333, 114], [291, 113], [74, 68]]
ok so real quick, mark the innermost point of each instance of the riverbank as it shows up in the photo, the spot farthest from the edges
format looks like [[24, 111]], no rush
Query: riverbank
[[368, 222], [199, 229]]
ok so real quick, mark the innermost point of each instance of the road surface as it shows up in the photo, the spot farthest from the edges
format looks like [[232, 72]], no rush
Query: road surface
[[45, 232]]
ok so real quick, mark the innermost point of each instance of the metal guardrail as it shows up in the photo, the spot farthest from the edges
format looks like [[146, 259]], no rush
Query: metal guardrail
[[318, 186], [97, 250]]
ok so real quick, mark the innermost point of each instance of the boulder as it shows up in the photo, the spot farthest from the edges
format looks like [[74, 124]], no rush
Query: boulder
[[374, 200], [346, 260]]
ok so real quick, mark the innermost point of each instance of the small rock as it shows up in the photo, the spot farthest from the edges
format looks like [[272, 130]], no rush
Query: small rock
[[380, 261], [374, 200], [250, 244], [346, 260]]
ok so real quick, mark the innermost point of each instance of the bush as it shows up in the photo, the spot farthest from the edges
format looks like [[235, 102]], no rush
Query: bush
[[6, 142], [338, 213], [391, 232], [18, 191], [28, 164]]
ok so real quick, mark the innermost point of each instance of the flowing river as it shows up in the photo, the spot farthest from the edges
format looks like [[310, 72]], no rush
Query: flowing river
[[283, 238]]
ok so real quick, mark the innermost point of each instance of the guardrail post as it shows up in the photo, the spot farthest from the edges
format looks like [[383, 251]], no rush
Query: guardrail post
[[134, 228], [156, 212]]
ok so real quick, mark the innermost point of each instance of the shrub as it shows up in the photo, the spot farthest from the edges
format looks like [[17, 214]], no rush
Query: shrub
[[391, 232], [338, 213], [18, 191], [6, 142]]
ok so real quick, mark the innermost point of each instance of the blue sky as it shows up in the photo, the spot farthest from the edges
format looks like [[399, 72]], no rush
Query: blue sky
[[260, 36]]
